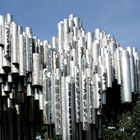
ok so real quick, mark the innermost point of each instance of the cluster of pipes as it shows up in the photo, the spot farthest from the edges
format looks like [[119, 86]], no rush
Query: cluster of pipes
[[64, 80]]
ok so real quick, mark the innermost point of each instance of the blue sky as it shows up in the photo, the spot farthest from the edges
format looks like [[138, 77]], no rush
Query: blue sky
[[120, 18]]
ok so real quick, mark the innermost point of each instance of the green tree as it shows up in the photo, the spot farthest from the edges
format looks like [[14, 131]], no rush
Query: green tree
[[128, 128], [136, 121]]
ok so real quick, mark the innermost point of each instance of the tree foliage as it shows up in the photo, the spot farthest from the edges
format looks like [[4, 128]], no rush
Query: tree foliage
[[128, 128], [43, 134]]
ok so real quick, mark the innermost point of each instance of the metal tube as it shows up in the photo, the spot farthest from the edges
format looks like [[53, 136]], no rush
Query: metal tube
[[96, 34], [36, 70], [28, 32], [63, 105], [9, 78], [1, 61], [77, 95], [60, 37], [68, 108], [118, 65], [7, 48], [89, 40], [58, 121], [9, 18], [20, 85], [136, 69], [45, 103], [40, 101], [2, 90], [131, 69], [28, 56], [84, 103], [22, 61], [14, 44], [36, 93], [29, 89], [76, 22], [1, 30], [97, 91], [126, 79], [6, 87], [9, 103], [108, 69], [14, 69], [45, 52]]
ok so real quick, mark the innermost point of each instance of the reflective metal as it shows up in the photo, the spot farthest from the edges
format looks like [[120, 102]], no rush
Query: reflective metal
[[29, 89], [28, 56], [36, 69], [108, 69], [14, 44], [21, 55], [126, 79]]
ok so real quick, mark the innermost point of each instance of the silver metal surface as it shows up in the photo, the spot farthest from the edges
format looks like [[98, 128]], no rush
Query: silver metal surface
[[108, 69], [1, 60], [118, 65], [28, 32], [2, 90], [14, 69], [129, 49], [20, 86], [97, 34], [9, 103], [22, 61], [41, 101], [97, 91], [45, 53], [77, 95], [1, 30], [36, 69], [64, 108], [29, 89], [7, 45], [9, 18], [45, 102], [9, 78], [89, 40], [17, 109], [6, 87], [84, 103], [14, 43], [36, 94], [28, 56], [58, 115], [126, 79]]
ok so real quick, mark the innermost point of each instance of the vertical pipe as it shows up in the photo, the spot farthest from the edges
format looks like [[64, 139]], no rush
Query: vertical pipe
[[108, 68], [36, 70], [22, 61], [14, 44], [126, 79]]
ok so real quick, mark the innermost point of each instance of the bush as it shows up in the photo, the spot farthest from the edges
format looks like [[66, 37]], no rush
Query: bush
[[128, 128]]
